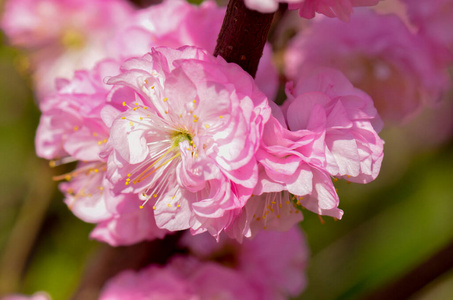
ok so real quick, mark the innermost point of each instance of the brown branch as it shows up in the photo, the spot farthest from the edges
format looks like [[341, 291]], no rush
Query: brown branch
[[243, 35], [418, 277]]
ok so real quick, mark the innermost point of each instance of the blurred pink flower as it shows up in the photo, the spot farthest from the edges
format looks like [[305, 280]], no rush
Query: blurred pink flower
[[273, 262], [379, 55], [191, 157], [62, 35], [184, 278], [152, 282], [341, 9], [177, 23], [434, 21]]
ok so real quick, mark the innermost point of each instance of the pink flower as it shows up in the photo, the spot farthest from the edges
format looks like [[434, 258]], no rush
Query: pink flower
[[273, 262], [379, 55], [62, 35], [340, 9], [192, 25], [327, 128], [353, 149], [187, 141]]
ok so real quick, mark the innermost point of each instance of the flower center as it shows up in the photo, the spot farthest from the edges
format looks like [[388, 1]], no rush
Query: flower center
[[180, 136]]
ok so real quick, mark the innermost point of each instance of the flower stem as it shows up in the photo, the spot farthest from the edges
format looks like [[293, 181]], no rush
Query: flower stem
[[243, 35]]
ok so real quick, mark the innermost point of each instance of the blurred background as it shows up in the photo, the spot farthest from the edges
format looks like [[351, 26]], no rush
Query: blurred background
[[390, 226]]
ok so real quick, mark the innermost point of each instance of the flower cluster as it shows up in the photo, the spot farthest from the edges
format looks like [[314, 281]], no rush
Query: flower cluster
[[166, 137], [177, 139]]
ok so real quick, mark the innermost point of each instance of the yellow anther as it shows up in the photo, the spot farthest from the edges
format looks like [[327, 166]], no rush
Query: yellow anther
[[100, 143], [68, 177], [349, 176], [221, 117], [52, 163], [207, 126], [141, 206], [179, 205], [124, 103], [101, 188], [145, 107], [124, 118], [194, 101], [166, 112], [169, 205], [76, 128], [129, 175], [105, 140], [154, 207], [155, 195], [131, 123], [95, 134], [141, 118], [96, 170], [152, 87], [335, 179], [165, 99], [127, 183], [278, 216]]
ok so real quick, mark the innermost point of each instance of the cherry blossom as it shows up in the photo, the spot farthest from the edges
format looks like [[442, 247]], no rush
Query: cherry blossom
[[187, 140]]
